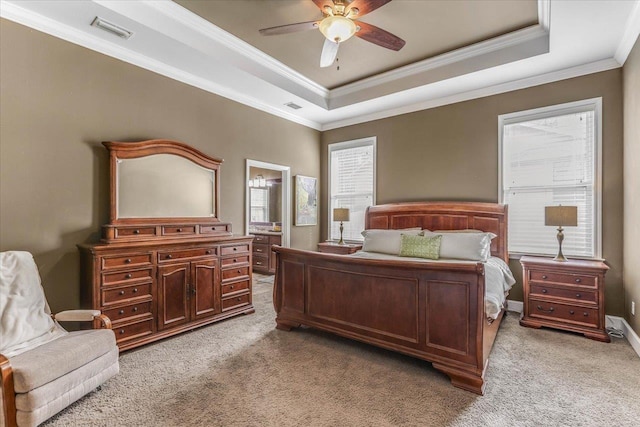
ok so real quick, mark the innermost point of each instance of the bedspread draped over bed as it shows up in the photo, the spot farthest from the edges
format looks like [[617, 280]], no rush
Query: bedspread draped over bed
[[498, 277]]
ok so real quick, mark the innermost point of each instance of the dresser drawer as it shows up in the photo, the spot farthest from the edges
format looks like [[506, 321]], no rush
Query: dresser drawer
[[236, 249], [228, 262], [128, 293], [175, 230], [235, 302], [235, 287], [130, 260], [260, 261], [574, 279], [259, 238], [166, 256], [564, 312], [129, 312], [133, 330], [577, 294], [234, 273], [124, 277], [214, 229], [260, 249], [135, 231]]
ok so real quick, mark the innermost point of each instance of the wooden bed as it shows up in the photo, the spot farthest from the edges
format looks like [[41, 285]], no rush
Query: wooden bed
[[432, 311]]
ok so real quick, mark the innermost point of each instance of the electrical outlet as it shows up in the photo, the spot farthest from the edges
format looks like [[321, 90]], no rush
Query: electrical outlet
[[633, 308]]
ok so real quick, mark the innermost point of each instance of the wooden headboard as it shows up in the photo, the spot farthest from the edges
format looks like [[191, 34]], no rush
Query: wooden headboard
[[491, 217]]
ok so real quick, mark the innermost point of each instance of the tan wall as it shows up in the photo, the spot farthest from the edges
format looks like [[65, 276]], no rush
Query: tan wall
[[59, 101], [631, 96], [451, 153]]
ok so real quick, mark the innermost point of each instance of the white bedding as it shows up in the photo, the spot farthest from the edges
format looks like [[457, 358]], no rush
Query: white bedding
[[498, 278]]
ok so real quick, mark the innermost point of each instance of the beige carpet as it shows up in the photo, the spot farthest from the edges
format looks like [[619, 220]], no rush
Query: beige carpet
[[243, 372]]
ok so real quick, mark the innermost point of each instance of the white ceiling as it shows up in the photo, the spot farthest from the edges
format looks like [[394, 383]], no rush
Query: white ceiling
[[572, 38]]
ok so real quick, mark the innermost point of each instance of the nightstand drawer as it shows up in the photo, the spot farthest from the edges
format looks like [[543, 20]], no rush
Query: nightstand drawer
[[564, 312], [589, 297], [260, 249], [569, 279]]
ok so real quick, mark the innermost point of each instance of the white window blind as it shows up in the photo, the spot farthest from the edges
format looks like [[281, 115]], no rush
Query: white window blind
[[550, 158], [351, 184], [259, 205]]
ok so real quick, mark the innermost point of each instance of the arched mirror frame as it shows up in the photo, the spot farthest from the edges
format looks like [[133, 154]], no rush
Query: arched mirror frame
[[286, 196], [152, 228]]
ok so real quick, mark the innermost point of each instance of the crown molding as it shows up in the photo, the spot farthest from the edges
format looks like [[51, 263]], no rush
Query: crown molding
[[482, 48], [630, 35], [13, 12], [567, 73]]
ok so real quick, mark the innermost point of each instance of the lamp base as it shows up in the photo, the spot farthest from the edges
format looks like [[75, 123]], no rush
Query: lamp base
[[560, 257], [341, 242]]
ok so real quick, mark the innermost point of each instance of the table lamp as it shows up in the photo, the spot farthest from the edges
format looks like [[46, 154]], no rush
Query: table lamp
[[341, 214], [561, 215]]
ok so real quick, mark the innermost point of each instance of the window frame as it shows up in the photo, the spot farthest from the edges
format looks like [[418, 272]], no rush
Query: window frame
[[592, 104], [336, 146]]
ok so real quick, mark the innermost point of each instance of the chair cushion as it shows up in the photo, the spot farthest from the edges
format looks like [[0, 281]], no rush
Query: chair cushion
[[56, 358], [25, 318]]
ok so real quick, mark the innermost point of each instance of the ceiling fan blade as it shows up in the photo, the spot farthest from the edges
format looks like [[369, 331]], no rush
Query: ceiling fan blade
[[329, 53], [378, 36], [365, 6], [322, 3], [289, 28]]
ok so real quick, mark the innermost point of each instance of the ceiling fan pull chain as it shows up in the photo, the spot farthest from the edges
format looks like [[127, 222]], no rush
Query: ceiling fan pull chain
[[338, 65]]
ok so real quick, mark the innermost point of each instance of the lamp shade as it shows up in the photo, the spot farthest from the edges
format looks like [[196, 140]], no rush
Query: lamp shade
[[561, 216], [341, 214]]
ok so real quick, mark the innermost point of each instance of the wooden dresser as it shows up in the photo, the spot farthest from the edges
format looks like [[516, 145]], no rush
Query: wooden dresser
[[264, 259], [166, 264], [565, 295]]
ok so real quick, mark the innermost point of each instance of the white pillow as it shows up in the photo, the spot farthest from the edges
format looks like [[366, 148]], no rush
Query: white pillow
[[457, 244], [25, 317], [386, 241]]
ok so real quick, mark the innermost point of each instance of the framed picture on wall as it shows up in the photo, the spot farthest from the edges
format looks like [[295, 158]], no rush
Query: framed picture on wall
[[306, 200]]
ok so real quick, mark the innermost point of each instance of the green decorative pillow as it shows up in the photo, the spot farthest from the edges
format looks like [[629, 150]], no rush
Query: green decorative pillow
[[421, 246]]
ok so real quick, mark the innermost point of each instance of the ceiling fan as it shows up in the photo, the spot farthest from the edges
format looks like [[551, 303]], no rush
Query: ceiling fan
[[339, 25]]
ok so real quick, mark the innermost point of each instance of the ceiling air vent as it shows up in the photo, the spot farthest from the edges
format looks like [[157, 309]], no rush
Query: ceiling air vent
[[112, 28], [292, 105]]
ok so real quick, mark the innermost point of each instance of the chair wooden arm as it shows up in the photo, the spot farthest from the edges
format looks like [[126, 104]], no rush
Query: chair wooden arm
[[8, 393], [100, 320]]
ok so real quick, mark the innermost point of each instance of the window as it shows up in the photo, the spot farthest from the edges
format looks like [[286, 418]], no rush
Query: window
[[259, 204], [351, 184], [549, 157]]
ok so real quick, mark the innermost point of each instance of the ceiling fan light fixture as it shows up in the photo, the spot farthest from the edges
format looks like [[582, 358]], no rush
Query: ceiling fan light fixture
[[337, 28]]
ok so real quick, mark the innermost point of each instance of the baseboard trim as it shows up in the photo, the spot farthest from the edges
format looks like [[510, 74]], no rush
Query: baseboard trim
[[610, 321], [621, 324], [515, 306]]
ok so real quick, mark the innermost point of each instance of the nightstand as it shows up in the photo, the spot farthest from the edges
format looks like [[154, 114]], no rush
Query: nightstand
[[564, 295], [335, 248]]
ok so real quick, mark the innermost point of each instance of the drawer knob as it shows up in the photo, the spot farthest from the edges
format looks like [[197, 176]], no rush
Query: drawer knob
[[231, 287], [208, 252], [585, 314], [128, 276], [544, 291], [135, 309], [240, 299], [121, 312], [127, 261], [135, 290], [169, 256], [179, 230], [258, 250], [544, 276], [235, 260], [259, 262], [578, 280], [121, 292], [121, 331], [578, 295], [551, 309], [571, 312], [136, 231], [235, 249], [239, 271]]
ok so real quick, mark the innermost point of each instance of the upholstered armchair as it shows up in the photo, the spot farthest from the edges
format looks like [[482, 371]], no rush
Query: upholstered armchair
[[44, 368]]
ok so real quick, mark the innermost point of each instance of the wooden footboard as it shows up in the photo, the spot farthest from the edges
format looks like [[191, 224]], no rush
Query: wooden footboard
[[432, 311]]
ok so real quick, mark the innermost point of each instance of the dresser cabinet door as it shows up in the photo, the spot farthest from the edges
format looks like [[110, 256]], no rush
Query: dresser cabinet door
[[173, 288], [204, 299]]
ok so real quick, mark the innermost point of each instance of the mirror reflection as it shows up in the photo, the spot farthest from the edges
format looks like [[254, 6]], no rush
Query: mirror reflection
[[265, 200], [164, 186]]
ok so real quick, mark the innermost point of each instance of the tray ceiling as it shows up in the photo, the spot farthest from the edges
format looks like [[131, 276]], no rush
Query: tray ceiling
[[455, 50]]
